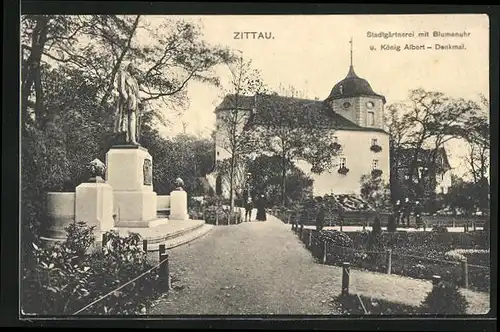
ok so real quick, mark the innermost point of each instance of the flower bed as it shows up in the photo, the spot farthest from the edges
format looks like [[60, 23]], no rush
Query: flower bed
[[351, 305], [65, 278], [414, 254], [218, 216]]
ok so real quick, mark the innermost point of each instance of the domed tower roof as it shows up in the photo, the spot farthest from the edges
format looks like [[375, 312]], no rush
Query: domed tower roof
[[352, 86]]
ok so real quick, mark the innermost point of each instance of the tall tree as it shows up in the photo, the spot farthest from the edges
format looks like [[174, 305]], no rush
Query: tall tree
[[68, 67], [244, 83], [426, 121], [293, 128], [266, 177]]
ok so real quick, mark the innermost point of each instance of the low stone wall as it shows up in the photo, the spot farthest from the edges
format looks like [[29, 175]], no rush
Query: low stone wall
[[162, 205], [60, 213]]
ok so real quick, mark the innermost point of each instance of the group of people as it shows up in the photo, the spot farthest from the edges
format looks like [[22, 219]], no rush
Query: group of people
[[260, 204], [403, 210]]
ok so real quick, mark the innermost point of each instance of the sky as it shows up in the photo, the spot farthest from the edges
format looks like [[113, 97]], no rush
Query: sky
[[312, 53]]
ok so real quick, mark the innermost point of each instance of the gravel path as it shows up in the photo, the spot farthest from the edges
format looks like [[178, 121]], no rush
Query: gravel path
[[252, 268], [261, 268]]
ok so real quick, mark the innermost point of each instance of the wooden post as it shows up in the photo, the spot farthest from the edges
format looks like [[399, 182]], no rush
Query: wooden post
[[453, 223], [474, 226], [465, 273], [216, 218], [301, 230], [310, 238], [341, 224], [288, 218], [161, 250], [436, 280], [145, 245], [389, 261], [345, 278], [104, 239], [324, 250], [465, 228], [164, 272]]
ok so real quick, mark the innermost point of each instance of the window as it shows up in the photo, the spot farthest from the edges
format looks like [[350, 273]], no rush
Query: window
[[342, 162], [374, 141], [375, 164], [371, 118], [335, 139], [218, 153]]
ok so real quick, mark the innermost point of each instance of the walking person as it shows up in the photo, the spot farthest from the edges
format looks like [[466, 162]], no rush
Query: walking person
[[261, 208], [320, 216], [248, 209], [407, 211]]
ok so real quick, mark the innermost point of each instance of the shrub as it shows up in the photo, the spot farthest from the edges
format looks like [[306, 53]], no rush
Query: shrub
[[217, 215], [445, 298], [391, 224], [376, 148], [439, 229], [343, 170], [336, 238], [67, 277]]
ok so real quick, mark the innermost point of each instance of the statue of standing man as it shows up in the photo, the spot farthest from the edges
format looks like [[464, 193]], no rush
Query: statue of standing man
[[127, 117]]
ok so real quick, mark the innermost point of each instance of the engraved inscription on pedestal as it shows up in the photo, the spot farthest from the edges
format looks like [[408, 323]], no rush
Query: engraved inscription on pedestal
[[148, 172]]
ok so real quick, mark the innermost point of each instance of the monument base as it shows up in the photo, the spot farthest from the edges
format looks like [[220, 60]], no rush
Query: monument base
[[142, 224], [94, 205], [178, 205], [134, 206]]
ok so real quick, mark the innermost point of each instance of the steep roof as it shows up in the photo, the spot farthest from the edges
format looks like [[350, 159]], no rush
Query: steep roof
[[352, 86], [424, 155], [264, 106]]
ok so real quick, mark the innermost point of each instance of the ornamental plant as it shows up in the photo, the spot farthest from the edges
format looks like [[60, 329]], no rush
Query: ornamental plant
[[67, 277], [445, 298], [343, 170], [376, 173], [376, 148]]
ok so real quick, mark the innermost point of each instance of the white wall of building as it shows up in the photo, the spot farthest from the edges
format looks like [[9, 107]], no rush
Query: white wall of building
[[359, 159]]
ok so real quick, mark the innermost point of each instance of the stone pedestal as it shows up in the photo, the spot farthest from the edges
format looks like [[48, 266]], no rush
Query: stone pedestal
[[129, 171], [94, 205], [178, 205], [60, 213]]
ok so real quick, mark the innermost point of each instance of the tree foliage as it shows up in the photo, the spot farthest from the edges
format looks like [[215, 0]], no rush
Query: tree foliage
[[68, 68], [425, 122], [376, 192], [266, 178], [233, 135], [291, 128]]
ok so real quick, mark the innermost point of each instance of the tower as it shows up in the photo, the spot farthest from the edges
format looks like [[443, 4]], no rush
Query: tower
[[354, 99]]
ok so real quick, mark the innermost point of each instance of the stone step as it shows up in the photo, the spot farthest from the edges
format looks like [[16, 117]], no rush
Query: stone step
[[182, 238], [161, 238]]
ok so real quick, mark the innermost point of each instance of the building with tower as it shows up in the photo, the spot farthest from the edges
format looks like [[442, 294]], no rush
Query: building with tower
[[354, 112]]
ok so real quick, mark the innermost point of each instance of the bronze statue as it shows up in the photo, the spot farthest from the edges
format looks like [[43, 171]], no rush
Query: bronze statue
[[127, 117]]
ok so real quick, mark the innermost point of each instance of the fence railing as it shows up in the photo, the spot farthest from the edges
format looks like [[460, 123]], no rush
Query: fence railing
[[392, 262], [162, 268]]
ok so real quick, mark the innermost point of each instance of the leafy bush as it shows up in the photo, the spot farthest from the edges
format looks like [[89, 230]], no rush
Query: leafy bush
[[351, 305], [216, 215], [445, 298], [67, 277], [439, 229]]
